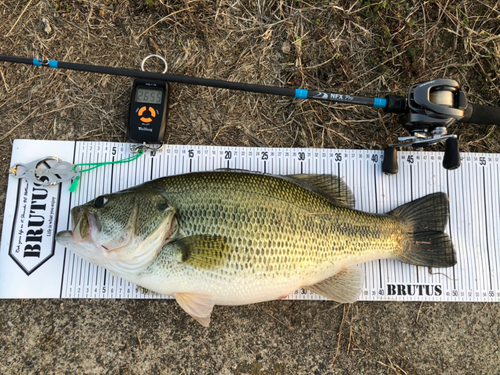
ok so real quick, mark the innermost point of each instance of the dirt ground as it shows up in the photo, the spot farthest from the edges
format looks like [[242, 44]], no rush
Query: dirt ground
[[349, 47]]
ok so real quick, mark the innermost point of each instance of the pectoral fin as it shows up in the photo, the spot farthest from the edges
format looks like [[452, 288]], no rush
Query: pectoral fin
[[344, 287], [199, 306], [203, 251]]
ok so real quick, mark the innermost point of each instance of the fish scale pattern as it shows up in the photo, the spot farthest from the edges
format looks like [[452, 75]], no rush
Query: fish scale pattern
[[268, 232]]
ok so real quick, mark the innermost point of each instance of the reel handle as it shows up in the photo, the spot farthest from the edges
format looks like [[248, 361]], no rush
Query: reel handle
[[390, 163], [451, 158]]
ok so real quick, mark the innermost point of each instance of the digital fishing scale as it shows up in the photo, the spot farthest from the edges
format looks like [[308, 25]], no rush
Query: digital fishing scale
[[148, 111], [148, 108]]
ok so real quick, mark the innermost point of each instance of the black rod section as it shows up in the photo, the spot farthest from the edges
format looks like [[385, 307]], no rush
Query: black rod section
[[158, 76], [296, 93]]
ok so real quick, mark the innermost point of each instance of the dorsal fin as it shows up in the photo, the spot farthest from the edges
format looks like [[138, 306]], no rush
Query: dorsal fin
[[328, 186], [203, 251]]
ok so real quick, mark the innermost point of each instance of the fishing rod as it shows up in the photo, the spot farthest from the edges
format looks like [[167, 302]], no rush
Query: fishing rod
[[430, 107], [282, 91]]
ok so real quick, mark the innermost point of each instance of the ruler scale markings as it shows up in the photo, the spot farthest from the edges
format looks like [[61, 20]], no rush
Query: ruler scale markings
[[473, 238], [468, 251], [486, 228], [459, 204], [360, 203], [475, 234], [397, 266], [71, 197], [67, 256], [402, 199], [424, 178], [159, 155], [151, 173], [432, 182], [491, 224], [463, 233], [78, 262], [443, 278], [97, 176], [411, 199], [495, 225], [79, 201], [482, 229], [112, 171], [450, 225], [479, 233], [497, 231], [366, 206], [175, 164], [100, 176], [80, 278], [454, 203], [376, 211], [385, 191], [181, 162], [409, 273], [453, 225], [491, 232]]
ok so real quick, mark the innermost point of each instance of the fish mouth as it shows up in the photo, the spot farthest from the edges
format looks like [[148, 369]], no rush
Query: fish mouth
[[84, 223]]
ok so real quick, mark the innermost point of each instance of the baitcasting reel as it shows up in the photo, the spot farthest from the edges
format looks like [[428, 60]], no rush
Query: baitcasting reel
[[430, 108]]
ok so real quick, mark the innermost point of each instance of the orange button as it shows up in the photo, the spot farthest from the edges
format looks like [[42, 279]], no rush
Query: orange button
[[141, 111], [152, 111], [146, 120]]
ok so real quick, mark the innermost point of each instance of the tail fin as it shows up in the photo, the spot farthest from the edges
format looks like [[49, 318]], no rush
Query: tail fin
[[426, 243]]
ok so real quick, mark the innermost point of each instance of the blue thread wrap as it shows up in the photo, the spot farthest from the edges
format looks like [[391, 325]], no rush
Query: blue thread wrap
[[301, 94], [380, 103], [52, 63]]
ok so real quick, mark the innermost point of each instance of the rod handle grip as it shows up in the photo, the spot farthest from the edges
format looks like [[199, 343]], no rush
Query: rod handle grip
[[482, 114]]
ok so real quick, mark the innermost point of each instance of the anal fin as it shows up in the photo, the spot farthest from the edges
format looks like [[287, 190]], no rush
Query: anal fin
[[199, 306], [344, 287]]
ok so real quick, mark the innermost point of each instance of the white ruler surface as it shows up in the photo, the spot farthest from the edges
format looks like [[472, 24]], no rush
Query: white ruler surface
[[32, 265]]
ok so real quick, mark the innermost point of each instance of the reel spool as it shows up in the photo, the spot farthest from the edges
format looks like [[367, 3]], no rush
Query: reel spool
[[431, 107]]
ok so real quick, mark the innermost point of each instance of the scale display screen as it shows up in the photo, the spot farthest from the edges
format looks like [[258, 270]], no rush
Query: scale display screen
[[149, 96]]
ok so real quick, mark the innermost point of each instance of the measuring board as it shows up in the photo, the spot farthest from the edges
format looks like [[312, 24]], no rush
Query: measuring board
[[32, 265]]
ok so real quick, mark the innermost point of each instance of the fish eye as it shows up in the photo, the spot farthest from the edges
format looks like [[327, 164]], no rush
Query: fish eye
[[100, 201]]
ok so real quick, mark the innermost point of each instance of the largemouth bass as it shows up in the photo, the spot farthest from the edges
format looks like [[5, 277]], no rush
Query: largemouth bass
[[236, 237]]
